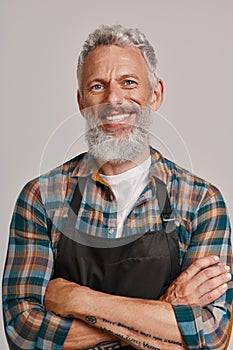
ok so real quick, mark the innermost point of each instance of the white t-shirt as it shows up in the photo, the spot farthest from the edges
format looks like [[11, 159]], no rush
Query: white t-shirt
[[127, 187]]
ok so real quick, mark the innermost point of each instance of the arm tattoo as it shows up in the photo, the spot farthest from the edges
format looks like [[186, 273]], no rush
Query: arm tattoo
[[146, 344], [91, 319]]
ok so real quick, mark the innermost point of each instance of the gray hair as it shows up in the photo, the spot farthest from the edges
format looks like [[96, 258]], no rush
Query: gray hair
[[120, 36]]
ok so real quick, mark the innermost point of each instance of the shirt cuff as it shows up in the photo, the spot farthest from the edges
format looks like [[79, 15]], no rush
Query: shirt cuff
[[53, 332], [187, 319]]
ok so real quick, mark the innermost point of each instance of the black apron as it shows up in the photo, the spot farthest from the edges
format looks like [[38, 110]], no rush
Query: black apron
[[141, 267]]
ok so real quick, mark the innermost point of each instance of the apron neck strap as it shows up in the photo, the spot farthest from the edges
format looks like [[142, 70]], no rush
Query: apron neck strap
[[161, 192], [164, 202], [78, 194]]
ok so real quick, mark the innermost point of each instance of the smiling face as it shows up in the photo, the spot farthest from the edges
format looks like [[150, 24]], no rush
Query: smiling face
[[116, 98], [118, 78]]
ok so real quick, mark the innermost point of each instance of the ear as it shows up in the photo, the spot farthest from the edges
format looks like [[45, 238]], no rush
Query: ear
[[79, 100], [157, 96]]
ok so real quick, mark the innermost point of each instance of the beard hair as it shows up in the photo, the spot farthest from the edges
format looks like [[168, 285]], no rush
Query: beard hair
[[116, 150]]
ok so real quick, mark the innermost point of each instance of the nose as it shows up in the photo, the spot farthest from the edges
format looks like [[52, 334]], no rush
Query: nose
[[114, 93]]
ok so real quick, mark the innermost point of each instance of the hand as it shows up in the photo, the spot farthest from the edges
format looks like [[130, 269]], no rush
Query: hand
[[60, 297], [201, 283]]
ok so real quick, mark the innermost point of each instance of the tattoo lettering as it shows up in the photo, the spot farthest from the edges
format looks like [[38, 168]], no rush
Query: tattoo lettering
[[148, 346], [109, 331], [120, 325], [144, 344], [137, 342], [151, 336], [91, 319], [127, 327], [107, 321], [145, 334], [172, 342], [157, 338], [124, 337]]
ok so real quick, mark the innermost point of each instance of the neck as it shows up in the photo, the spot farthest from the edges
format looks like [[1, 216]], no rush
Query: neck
[[114, 169]]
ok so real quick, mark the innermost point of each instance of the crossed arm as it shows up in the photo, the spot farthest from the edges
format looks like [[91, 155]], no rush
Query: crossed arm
[[143, 324], [29, 269]]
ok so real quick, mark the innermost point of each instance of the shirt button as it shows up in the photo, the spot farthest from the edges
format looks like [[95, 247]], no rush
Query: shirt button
[[110, 230]]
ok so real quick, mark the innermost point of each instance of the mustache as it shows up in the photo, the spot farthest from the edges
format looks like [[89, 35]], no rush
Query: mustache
[[102, 111]]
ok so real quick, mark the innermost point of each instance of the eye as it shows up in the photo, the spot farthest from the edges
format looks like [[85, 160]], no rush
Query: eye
[[97, 87], [130, 83]]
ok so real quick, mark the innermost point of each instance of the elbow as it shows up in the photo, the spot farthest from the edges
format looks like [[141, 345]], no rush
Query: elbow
[[23, 329], [218, 341]]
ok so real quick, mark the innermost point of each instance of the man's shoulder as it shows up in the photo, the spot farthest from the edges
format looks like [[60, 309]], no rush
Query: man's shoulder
[[65, 169], [182, 174], [52, 180], [184, 182], [168, 170]]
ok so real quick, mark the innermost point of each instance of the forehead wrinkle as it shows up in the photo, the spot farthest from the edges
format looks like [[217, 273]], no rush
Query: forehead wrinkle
[[102, 54], [113, 62]]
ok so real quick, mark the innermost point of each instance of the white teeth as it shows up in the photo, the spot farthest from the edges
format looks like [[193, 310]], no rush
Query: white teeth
[[118, 117]]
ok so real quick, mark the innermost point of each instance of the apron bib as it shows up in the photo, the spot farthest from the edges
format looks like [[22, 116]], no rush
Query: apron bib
[[142, 266]]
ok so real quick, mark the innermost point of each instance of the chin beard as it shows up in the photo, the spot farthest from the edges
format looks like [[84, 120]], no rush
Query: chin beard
[[118, 149]]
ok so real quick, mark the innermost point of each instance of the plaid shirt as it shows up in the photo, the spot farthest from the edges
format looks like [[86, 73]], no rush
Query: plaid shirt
[[203, 228]]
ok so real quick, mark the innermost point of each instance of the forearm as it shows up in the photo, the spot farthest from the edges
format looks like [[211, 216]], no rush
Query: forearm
[[82, 336], [141, 323]]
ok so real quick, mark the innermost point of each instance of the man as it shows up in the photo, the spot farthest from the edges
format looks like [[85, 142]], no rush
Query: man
[[118, 247]]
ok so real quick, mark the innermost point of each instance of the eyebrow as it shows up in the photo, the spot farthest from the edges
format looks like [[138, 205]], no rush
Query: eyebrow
[[122, 77], [134, 76], [99, 80]]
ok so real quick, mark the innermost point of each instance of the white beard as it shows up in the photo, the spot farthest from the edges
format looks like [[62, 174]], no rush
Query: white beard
[[109, 148]]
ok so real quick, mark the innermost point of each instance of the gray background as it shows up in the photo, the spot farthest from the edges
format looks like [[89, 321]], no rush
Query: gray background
[[40, 41]]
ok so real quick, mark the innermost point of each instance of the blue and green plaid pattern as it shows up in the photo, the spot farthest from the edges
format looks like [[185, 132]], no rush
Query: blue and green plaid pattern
[[203, 228]]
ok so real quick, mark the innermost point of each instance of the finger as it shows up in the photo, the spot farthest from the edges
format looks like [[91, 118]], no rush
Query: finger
[[198, 265], [210, 297], [209, 273], [205, 281], [213, 283]]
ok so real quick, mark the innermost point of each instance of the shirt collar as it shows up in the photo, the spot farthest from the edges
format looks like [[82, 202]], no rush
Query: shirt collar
[[88, 166]]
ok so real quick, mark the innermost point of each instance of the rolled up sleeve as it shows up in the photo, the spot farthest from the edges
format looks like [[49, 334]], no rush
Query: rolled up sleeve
[[208, 327], [28, 269]]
